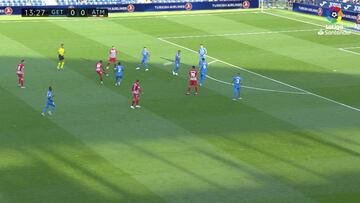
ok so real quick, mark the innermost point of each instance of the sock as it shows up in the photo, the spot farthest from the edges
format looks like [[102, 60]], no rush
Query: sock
[[58, 66], [62, 64]]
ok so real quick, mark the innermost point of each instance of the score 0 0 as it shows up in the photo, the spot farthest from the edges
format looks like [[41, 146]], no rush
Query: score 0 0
[[77, 12]]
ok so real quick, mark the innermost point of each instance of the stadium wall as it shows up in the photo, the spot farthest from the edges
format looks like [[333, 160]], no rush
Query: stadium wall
[[117, 8]]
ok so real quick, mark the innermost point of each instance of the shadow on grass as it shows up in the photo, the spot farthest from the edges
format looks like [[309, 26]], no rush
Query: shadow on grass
[[217, 118], [54, 166]]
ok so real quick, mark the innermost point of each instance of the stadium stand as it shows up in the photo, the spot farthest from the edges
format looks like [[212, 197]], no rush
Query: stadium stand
[[96, 2], [22, 3]]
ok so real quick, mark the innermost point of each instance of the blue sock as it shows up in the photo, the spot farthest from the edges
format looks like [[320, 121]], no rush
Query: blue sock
[[45, 108], [176, 69], [202, 78]]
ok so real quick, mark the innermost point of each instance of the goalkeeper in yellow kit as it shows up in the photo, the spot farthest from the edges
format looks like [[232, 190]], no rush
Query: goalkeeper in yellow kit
[[61, 53]]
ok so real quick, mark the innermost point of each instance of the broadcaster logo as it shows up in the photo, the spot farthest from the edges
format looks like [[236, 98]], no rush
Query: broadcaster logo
[[334, 16]]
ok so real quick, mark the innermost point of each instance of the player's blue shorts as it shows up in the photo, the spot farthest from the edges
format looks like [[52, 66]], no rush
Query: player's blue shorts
[[144, 60], [49, 103]]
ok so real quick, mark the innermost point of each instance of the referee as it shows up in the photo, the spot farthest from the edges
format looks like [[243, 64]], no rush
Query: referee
[[61, 53]]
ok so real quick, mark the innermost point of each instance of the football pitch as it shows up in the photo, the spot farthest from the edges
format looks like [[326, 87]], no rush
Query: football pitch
[[294, 137]]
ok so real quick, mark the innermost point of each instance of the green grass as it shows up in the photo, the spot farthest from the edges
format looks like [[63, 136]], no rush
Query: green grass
[[269, 147]]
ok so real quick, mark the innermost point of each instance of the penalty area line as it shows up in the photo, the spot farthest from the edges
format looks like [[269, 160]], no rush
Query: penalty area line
[[263, 76], [239, 34], [350, 48], [129, 17], [346, 50], [250, 87], [306, 22], [214, 61], [168, 63], [256, 88]]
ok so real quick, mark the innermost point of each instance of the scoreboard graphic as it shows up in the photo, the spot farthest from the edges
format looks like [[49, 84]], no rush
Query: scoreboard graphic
[[64, 12]]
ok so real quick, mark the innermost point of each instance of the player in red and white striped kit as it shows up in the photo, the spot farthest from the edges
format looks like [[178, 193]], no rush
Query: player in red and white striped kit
[[112, 57], [20, 73], [136, 90], [193, 83], [100, 70]]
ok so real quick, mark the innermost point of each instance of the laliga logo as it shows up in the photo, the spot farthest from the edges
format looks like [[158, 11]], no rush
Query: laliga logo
[[188, 6], [8, 11], [334, 14], [131, 8], [320, 12], [246, 4], [358, 18]]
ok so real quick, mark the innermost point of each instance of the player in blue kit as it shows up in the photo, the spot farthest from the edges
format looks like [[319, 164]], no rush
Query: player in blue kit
[[203, 71], [145, 58], [119, 70], [177, 62], [202, 54], [49, 103], [237, 86]]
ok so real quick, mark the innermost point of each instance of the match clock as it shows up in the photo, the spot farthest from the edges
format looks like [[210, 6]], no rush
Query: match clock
[[34, 12]]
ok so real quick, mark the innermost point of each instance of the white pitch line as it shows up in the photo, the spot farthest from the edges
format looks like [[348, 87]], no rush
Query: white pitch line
[[350, 48], [281, 16], [345, 50], [187, 15], [128, 18], [256, 88], [263, 76], [167, 64], [238, 34], [212, 62], [306, 22]]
